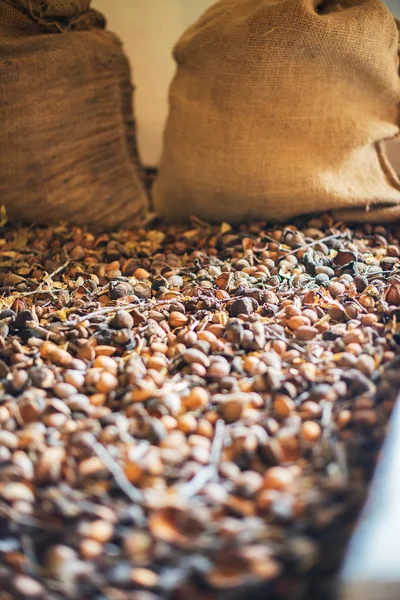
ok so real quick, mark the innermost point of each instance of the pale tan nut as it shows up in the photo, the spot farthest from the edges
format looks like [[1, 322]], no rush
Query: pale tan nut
[[298, 321], [25, 465], [218, 369], [50, 464], [310, 410], [311, 431], [55, 355], [101, 531], [106, 383], [344, 418], [195, 356], [336, 289], [306, 333], [278, 478], [141, 274], [8, 439], [104, 350], [283, 406], [107, 363], [198, 398], [177, 319], [231, 409], [13, 492], [144, 577], [28, 587], [90, 549]]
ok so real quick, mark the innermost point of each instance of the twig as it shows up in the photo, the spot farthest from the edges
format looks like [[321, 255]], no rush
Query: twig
[[341, 459], [39, 291], [360, 306], [29, 551], [57, 271], [101, 290], [133, 493], [382, 274], [326, 419], [146, 305], [276, 336], [218, 443], [101, 311], [23, 251], [26, 520], [35, 328], [311, 244], [46, 281], [195, 485], [270, 238]]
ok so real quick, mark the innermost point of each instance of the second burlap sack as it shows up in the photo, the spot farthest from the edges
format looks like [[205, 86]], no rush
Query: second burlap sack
[[67, 132], [278, 108]]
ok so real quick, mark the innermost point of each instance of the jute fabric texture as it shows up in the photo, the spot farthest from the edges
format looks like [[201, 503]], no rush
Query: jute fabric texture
[[67, 132], [278, 108]]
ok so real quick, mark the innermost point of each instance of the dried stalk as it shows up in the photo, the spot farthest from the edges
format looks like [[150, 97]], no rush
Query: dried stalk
[[209, 472], [133, 493]]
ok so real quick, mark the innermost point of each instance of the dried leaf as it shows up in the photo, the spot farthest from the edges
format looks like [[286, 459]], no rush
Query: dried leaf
[[247, 244], [344, 257], [21, 239], [3, 216], [231, 571], [172, 526], [393, 294], [225, 227], [310, 298], [62, 315], [192, 233], [9, 254], [23, 271], [13, 280], [224, 280], [156, 237]]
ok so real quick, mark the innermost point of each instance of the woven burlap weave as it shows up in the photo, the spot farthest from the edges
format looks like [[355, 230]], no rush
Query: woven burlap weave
[[54, 8], [278, 109], [67, 133]]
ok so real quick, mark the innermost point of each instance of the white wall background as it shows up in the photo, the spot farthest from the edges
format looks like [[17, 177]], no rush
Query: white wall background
[[149, 30], [394, 5]]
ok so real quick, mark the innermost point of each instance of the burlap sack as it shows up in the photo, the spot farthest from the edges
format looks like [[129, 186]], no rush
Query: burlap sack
[[45, 9], [67, 133], [278, 108]]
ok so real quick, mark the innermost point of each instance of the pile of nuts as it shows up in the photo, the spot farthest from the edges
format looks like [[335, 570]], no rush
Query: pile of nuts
[[191, 412]]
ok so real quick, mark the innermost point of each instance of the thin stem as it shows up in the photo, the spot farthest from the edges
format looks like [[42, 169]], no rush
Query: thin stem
[[133, 493]]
